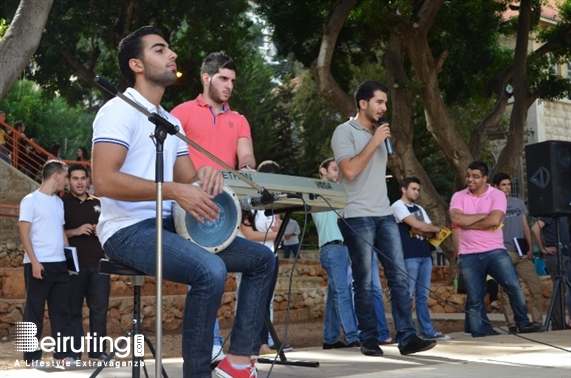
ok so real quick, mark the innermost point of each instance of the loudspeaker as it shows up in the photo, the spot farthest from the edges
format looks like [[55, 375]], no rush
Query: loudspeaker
[[549, 178]]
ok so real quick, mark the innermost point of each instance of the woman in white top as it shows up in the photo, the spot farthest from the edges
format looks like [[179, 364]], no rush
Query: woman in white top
[[264, 229]]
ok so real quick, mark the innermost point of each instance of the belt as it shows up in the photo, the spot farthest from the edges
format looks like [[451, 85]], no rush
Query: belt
[[338, 242]]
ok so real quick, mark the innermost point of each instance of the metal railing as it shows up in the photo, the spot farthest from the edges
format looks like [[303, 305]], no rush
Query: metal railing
[[27, 156], [9, 210]]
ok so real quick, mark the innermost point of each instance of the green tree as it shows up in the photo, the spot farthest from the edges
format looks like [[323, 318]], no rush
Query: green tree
[[48, 121]]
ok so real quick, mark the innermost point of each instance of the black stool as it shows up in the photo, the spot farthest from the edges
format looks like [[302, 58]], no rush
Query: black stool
[[107, 266]]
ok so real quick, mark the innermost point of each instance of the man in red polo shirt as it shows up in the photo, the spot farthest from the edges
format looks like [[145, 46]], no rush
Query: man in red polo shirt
[[208, 120]]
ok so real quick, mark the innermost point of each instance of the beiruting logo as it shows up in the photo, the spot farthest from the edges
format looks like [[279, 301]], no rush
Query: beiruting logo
[[25, 340]]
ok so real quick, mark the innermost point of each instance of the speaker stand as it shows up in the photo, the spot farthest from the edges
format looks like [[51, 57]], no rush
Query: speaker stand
[[558, 287]]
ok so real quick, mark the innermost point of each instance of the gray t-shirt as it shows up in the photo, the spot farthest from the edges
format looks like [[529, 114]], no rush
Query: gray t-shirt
[[513, 223], [367, 192]]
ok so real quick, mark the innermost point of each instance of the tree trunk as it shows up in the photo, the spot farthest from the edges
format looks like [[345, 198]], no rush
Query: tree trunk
[[404, 162], [21, 40], [426, 68], [321, 68], [511, 153]]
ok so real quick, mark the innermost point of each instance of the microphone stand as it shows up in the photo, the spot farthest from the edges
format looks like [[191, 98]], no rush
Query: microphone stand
[[162, 128]]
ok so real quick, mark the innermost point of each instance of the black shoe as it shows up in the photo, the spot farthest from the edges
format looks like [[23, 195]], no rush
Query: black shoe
[[371, 348], [513, 330], [416, 344], [337, 345], [492, 332], [530, 328]]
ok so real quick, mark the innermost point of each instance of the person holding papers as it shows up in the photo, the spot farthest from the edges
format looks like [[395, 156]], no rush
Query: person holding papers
[[81, 211], [517, 241], [45, 270]]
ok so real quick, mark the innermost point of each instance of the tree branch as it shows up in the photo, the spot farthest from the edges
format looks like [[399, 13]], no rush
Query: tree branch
[[427, 15], [321, 67]]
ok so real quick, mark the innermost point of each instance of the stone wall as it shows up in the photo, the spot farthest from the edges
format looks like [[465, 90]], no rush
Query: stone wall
[[14, 185], [556, 120], [306, 300]]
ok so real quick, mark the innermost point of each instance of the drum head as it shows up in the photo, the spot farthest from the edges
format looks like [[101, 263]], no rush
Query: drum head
[[212, 236]]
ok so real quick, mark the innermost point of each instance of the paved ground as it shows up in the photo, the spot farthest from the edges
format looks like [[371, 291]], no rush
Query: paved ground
[[462, 356]]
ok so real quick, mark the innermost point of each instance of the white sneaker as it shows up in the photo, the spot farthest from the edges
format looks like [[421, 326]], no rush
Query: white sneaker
[[217, 353], [439, 336]]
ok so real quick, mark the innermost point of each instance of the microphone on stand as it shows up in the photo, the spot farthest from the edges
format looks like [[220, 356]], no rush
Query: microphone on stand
[[388, 144]]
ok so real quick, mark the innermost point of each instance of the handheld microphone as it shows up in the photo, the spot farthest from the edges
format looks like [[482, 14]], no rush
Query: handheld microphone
[[388, 144], [250, 203]]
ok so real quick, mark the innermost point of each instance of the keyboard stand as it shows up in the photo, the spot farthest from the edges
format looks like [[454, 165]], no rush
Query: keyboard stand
[[282, 360]]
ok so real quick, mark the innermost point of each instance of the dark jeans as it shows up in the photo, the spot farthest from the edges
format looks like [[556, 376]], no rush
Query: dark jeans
[[188, 263], [381, 233], [53, 288], [292, 248], [474, 268], [94, 287], [264, 336]]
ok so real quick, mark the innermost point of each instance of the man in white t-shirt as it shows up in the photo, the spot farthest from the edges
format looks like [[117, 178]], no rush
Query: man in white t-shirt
[[124, 173], [415, 228], [45, 270]]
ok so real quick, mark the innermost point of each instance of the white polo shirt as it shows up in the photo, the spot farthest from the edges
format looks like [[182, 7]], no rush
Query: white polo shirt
[[120, 123]]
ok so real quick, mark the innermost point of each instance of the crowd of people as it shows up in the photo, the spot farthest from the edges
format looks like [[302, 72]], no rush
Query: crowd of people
[[122, 225]]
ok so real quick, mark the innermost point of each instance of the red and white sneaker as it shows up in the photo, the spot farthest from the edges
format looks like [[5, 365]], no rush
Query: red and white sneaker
[[226, 370]]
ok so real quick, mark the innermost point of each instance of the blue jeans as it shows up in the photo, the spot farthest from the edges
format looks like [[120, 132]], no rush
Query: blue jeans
[[498, 264], [420, 273], [379, 302], [218, 340], [339, 310], [187, 263], [94, 288], [361, 235], [292, 248]]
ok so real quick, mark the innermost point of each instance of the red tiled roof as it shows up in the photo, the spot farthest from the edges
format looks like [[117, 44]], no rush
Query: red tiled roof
[[549, 11]]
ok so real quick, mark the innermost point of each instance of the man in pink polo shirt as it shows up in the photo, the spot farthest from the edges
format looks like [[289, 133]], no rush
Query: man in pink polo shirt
[[479, 211], [208, 120]]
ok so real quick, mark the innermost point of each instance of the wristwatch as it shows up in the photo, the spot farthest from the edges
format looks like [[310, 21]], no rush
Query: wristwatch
[[246, 166]]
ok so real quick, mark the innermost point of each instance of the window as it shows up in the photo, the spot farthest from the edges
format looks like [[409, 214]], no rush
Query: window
[[515, 185], [552, 65]]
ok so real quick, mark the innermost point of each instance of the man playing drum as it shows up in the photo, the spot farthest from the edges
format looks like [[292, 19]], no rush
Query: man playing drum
[[124, 172]]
